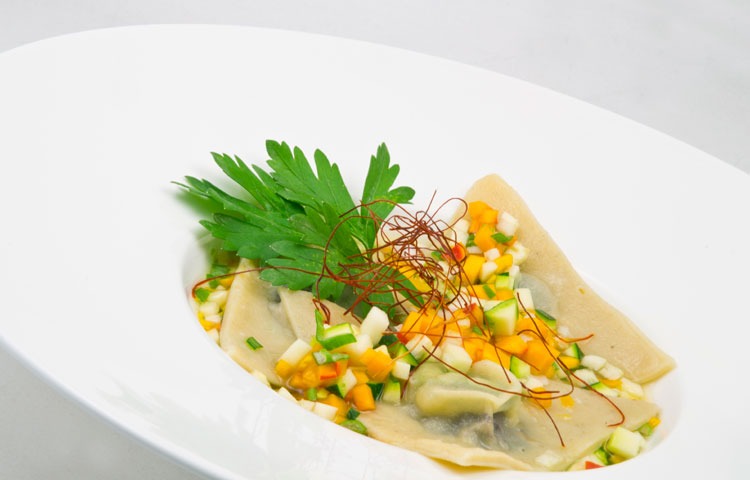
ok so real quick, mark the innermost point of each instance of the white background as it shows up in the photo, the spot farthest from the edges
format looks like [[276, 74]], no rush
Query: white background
[[677, 66]]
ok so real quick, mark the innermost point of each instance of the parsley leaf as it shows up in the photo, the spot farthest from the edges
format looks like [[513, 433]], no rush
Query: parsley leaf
[[293, 218]]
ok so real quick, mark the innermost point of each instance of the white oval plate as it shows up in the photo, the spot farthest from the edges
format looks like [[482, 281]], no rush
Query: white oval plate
[[96, 245]]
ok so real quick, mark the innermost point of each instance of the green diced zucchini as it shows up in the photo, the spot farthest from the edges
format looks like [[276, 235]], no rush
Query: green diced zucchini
[[388, 340], [376, 389], [344, 384], [333, 337], [355, 426], [504, 281], [603, 456], [519, 368], [352, 414], [399, 350], [324, 356], [311, 394], [573, 350], [392, 392], [624, 443], [603, 389], [502, 317], [548, 319]]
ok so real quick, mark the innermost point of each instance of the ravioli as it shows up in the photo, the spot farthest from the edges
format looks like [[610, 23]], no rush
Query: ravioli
[[274, 316], [484, 417], [579, 307]]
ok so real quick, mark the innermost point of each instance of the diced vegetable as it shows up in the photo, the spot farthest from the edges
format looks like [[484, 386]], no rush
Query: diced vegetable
[[355, 426], [376, 389], [362, 397], [519, 368], [519, 252], [602, 455], [504, 281], [487, 270], [586, 376], [253, 343], [524, 298], [334, 336], [398, 351], [610, 372], [324, 356], [401, 370], [574, 351], [546, 318], [392, 392], [472, 267], [420, 346], [456, 357], [624, 443], [507, 224], [358, 347], [295, 352], [344, 384], [323, 410], [375, 323], [603, 389], [513, 344], [631, 388], [502, 318], [539, 355], [377, 364]]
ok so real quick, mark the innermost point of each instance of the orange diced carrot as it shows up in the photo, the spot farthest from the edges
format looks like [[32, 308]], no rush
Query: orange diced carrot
[[488, 216], [410, 327], [327, 371], [491, 352], [539, 355], [474, 226], [525, 324], [567, 401], [377, 364], [472, 267], [338, 402], [360, 375], [513, 344], [536, 326], [362, 398], [430, 320], [474, 346], [483, 238], [476, 208], [542, 397], [476, 314]]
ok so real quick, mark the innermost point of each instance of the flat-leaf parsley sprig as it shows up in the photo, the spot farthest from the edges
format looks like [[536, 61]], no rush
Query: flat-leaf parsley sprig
[[295, 218]]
